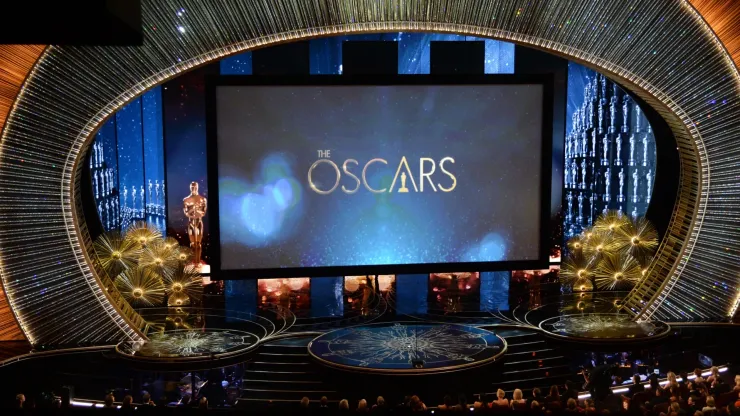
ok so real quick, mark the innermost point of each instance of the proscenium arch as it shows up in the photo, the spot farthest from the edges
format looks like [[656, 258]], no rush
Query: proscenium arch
[[661, 51]]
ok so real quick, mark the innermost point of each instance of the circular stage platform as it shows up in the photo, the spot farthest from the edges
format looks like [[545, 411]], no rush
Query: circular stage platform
[[190, 345], [603, 327], [407, 348]]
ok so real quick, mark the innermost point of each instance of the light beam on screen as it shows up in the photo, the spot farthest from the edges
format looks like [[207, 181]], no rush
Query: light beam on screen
[[261, 211]]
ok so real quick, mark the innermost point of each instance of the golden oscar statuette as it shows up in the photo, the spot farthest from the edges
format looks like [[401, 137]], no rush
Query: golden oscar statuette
[[194, 207]]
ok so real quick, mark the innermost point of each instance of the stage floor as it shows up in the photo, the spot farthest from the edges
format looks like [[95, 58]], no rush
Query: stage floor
[[407, 348]]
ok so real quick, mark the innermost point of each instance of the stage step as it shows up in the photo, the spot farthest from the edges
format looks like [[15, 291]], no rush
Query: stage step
[[284, 349], [293, 357], [534, 362], [527, 346], [281, 375], [548, 369]]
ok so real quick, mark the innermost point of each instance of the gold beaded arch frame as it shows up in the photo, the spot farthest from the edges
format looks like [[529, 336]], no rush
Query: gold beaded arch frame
[[661, 50]]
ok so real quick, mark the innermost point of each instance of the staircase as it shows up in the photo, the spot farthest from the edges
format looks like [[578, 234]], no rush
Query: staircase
[[530, 362], [282, 372]]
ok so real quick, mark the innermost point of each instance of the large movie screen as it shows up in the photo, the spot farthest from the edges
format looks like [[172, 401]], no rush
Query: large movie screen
[[316, 176]]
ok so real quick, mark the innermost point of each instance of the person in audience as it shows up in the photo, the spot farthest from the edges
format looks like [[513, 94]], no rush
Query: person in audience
[[203, 404], [323, 406], [699, 379], [343, 406], [636, 387], [127, 405], [710, 407], [571, 407], [676, 408], [537, 395], [713, 375], [447, 403], [108, 401], [535, 406], [518, 402], [672, 380], [737, 383], [501, 399], [660, 397], [554, 395], [146, 401], [362, 406], [304, 406], [20, 399], [379, 408], [416, 405], [462, 403]]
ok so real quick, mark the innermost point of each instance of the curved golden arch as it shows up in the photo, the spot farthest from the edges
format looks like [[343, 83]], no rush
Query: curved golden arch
[[690, 142], [667, 109]]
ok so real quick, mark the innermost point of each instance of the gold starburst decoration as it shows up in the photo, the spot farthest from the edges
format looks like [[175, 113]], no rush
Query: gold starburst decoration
[[184, 255], [617, 270], [178, 299], [116, 253], [576, 244], [576, 267], [160, 258], [171, 243], [598, 245], [611, 222], [185, 281], [143, 233], [639, 239], [140, 287]]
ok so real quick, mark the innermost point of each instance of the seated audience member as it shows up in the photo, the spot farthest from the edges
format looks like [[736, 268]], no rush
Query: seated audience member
[[636, 387], [305, 405], [20, 399], [518, 402], [416, 405], [108, 402], [554, 395], [146, 402], [127, 405], [660, 398], [203, 404], [362, 406], [710, 407], [323, 406], [737, 383], [462, 403], [447, 405], [501, 399], [571, 407], [676, 408], [537, 395], [379, 408], [693, 405], [343, 406], [535, 406]]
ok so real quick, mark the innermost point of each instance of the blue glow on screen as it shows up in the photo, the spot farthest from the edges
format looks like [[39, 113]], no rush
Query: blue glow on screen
[[271, 217]]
